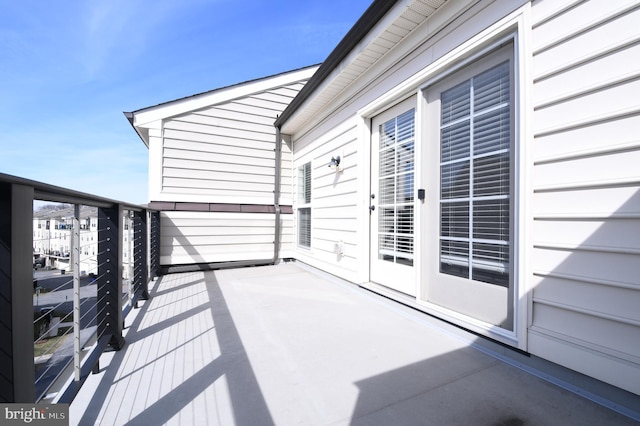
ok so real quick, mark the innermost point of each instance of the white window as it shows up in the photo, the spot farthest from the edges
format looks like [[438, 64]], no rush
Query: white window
[[304, 205]]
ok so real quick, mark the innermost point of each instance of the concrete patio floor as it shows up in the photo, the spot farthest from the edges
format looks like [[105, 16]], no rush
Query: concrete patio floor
[[286, 345]]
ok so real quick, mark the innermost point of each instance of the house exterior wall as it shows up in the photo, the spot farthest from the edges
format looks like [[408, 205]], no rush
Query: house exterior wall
[[577, 186], [212, 174], [226, 152], [189, 237], [345, 127], [586, 222], [335, 201]]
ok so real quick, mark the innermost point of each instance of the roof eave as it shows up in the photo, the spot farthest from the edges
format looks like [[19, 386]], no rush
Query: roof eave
[[130, 117], [362, 27], [146, 116]]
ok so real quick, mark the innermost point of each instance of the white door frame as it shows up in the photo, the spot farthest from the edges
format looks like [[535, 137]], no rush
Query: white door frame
[[517, 27]]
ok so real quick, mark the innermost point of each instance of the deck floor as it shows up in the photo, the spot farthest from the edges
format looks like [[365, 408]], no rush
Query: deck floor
[[285, 345]]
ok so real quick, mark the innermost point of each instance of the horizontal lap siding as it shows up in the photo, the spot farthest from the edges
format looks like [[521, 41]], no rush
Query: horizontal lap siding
[[334, 204], [340, 212], [208, 237], [586, 178], [287, 241], [226, 152]]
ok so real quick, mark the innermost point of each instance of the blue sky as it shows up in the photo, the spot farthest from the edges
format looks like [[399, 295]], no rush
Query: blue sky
[[68, 70]]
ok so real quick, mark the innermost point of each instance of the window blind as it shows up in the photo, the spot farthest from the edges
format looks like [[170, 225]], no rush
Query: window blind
[[304, 183], [396, 188], [304, 227], [475, 173], [304, 211]]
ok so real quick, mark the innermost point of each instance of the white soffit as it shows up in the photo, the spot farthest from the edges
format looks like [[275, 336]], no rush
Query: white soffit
[[391, 30]]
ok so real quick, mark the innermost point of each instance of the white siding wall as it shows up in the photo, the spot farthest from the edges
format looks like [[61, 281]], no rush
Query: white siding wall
[[583, 227], [586, 230], [334, 200], [204, 237], [339, 127], [225, 154], [286, 236]]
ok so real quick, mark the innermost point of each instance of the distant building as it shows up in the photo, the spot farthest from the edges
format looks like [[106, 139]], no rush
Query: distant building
[[52, 232]]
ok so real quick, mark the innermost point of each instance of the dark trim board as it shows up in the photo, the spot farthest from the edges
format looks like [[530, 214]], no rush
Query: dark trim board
[[213, 266], [218, 207]]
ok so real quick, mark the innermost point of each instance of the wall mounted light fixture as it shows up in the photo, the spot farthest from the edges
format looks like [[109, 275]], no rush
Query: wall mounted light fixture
[[335, 163]]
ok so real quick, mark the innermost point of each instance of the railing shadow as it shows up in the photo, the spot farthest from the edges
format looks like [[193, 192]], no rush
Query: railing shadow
[[247, 401], [90, 415]]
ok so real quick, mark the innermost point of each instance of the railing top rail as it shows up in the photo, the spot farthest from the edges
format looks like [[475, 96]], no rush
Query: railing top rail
[[58, 194]]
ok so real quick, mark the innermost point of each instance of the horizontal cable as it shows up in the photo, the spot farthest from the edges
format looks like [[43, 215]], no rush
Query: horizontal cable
[[50, 310], [87, 313], [53, 364], [51, 328], [88, 244]]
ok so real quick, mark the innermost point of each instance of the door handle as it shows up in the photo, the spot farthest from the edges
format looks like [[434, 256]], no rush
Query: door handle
[[371, 208]]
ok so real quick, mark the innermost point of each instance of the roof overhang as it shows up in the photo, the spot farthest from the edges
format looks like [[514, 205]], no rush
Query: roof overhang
[[384, 25], [146, 118]]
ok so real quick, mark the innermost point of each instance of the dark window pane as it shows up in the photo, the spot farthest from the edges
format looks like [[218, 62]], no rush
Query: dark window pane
[[455, 103], [454, 258], [304, 227], [491, 219]]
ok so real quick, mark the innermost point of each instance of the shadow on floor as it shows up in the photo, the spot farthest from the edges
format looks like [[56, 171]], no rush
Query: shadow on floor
[[247, 402]]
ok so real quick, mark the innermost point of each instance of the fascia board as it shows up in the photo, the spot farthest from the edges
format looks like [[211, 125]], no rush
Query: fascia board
[[436, 22], [291, 125], [453, 8]]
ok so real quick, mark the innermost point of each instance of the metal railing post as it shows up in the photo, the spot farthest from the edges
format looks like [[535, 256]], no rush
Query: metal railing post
[[17, 376], [154, 244], [110, 318], [74, 262], [140, 248]]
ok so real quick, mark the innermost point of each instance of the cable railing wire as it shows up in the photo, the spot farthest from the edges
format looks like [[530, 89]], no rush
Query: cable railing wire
[[46, 333], [51, 365], [49, 311], [94, 297]]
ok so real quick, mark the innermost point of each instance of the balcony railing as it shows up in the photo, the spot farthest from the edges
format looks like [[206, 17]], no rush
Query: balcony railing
[[56, 322]]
